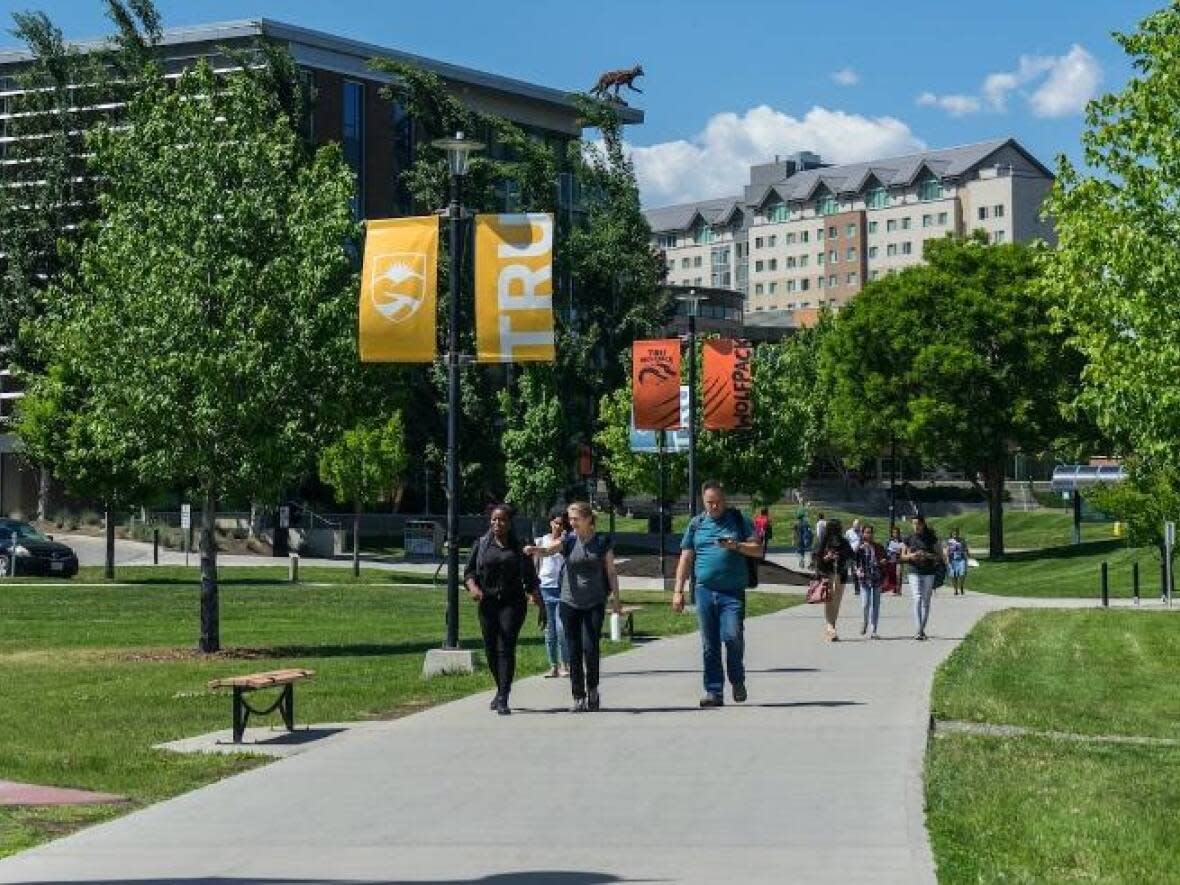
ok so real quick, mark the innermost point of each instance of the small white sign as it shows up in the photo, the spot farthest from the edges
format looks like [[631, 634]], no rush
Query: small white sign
[[284, 517], [186, 516], [1170, 534]]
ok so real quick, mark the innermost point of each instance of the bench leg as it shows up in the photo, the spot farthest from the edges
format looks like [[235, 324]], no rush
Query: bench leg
[[629, 626], [241, 714], [287, 706]]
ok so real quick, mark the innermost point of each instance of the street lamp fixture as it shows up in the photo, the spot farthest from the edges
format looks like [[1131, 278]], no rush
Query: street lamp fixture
[[458, 151]]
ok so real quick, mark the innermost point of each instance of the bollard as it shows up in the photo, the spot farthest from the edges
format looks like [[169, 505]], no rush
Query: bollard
[[1135, 581], [156, 546], [293, 568], [1105, 588]]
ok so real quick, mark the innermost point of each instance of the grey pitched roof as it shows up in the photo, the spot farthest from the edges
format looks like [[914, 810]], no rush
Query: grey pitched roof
[[947, 162], [332, 51], [682, 216]]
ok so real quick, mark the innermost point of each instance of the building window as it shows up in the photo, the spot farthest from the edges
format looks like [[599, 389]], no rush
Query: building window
[[805, 284], [877, 198], [873, 274], [831, 281], [927, 221], [872, 251], [891, 249], [776, 212], [759, 266], [819, 282], [930, 189], [819, 234], [850, 253], [826, 206], [852, 280], [758, 241], [803, 259], [790, 261], [789, 239], [851, 230], [832, 232], [758, 289], [703, 235], [790, 285], [804, 236], [997, 236], [353, 140], [720, 257], [833, 256], [772, 264], [805, 304], [666, 241], [983, 213], [684, 262], [998, 210], [891, 225], [696, 281], [872, 227], [819, 258], [942, 219], [696, 261], [907, 248], [905, 223], [771, 288], [771, 242]]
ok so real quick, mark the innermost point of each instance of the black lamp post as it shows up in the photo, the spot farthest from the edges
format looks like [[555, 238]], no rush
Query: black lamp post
[[692, 302], [458, 151]]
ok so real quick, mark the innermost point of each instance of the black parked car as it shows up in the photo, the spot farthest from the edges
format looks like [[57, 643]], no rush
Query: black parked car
[[33, 553]]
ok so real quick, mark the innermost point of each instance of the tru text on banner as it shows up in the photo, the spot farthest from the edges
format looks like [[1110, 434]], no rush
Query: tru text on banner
[[514, 288], [729, 384], [399, 291], [655, 384]]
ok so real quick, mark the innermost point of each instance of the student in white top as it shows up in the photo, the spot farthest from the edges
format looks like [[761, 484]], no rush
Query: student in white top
[[549, 568], [852, 536]]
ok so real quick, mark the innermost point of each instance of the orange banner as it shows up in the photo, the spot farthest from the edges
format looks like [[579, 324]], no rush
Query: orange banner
[[655, 384], [399, 284], [729, 384]]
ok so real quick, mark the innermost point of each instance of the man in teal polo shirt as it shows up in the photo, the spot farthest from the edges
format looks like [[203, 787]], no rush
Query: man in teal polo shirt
[[713, 550]]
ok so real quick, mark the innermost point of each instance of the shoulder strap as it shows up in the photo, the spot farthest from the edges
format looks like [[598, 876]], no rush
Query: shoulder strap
[[481, 550]]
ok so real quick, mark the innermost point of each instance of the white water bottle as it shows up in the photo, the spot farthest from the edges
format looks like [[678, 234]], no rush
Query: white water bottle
[[616, 627]]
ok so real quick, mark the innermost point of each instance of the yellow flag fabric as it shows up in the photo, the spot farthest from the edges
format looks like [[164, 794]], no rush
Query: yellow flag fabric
[[399, 291], [514, 288]]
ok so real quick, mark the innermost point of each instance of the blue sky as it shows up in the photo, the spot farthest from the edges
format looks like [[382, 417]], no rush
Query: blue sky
[[731, 84]]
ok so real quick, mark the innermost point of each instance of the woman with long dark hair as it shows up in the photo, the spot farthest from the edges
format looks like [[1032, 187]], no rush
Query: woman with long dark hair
[[501, 578], [832, 560]]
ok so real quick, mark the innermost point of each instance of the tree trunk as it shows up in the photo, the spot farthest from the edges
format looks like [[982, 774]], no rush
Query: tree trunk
[[356, 540], [994, 478], [210, 617], [108, 515], [43, 494]]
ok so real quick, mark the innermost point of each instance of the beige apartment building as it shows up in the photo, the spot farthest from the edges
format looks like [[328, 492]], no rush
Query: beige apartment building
[[804, 235]]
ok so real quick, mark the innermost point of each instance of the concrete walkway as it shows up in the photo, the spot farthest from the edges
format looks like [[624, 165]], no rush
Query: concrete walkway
[[818, 778]]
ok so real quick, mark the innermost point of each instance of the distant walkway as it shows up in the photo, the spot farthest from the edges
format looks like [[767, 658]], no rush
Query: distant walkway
[[818, 778]]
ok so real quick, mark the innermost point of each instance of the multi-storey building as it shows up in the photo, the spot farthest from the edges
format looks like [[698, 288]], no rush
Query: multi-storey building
[[806, 236]]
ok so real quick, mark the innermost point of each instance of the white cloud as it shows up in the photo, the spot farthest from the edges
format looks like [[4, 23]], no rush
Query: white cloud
[[955, 105], [846, 77], [1066, 83], [714, 163], [1072, 81]]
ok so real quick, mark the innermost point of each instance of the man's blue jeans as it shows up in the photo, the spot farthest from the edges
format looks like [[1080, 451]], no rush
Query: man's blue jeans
[[722, 617]]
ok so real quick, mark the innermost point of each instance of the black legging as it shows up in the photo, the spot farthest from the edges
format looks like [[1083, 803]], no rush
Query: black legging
[[583, 627], [501, 620]]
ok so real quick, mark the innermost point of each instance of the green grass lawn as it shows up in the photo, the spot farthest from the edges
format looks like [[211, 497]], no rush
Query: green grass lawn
[[1030, 809], [1070, 572], [164, 575], [93, 676]]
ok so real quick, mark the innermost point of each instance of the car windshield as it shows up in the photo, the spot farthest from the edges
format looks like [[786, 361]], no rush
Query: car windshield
[[24, 531]]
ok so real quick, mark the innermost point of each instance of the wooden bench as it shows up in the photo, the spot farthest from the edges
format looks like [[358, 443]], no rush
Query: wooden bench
[[285, 703]]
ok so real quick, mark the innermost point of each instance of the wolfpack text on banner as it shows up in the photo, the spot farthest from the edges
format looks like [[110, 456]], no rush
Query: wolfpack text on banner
[[729, 384]]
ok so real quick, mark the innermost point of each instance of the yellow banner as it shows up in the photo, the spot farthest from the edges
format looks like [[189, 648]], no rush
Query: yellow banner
[[514, 288], [399, 291]]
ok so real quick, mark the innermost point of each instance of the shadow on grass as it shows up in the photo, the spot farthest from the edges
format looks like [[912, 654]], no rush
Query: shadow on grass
[[352, 650], [1067, 551]]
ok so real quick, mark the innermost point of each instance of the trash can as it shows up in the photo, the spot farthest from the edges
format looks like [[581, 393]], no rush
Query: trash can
[[423, 539]]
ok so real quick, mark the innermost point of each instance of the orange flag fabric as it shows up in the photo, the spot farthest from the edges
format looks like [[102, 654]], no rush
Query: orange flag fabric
[[514, 288], [399, 291], [729, 384], [655, 384]]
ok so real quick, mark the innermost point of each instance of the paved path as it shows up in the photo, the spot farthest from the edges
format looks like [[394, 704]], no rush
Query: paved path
[[817, 779]]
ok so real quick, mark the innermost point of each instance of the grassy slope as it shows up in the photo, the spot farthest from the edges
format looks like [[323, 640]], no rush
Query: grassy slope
[[93, 676]]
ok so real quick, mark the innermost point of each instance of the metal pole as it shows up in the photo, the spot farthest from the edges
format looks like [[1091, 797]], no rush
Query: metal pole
[[1077, 517], [1105, 587], [660, 516], [692, 410], [1135, 581], [892, 483], [452, 640], [156, 545]]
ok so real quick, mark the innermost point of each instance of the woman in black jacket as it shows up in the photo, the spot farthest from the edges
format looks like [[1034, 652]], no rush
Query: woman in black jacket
[[500, 578], [832, 560]]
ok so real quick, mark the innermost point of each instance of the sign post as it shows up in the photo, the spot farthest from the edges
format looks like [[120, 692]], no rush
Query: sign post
[[186, 524], [1169, 545]]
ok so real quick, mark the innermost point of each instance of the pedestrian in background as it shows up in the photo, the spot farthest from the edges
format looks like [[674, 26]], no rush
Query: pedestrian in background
[[501, 578], [852, 536], [956, 554], [833, 559], [802, 537], [893, 564], [821, 527], [871, 561], [549, 569], [763, 529], [921, 554]]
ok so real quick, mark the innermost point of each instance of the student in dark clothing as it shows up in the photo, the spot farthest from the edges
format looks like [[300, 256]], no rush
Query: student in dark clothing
[[500, 577]]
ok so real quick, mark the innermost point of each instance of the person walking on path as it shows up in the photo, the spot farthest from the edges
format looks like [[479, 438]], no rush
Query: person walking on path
[[712, 550], [832, 561], [821, 528], [802, 533], [870, 571], [893, 564], [588, 579], [500, 577], [763, 529], [922, 557], [549, 569], [853, 538], [956, 554]]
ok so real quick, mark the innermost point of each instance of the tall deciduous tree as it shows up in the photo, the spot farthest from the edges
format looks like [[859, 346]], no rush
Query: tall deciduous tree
[[212, 321], [362, 466], [1116, 270], [958, 359], [534, 440]]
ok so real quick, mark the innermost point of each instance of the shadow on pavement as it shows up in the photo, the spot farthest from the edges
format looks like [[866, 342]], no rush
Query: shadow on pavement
[[698, 670], [695, 708], [533, 877]]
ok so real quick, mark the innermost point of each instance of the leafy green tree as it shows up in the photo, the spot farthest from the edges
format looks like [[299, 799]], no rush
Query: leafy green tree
[[362, 466], [1116, 269], [534, 443], [633, 473], [212, 320], [958, 359]]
